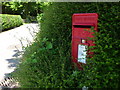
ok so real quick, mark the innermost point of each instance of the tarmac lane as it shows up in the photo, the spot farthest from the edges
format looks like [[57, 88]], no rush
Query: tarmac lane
[[11, 46]]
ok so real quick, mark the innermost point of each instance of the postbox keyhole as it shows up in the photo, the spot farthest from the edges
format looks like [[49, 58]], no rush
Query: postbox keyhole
[[83, 41]]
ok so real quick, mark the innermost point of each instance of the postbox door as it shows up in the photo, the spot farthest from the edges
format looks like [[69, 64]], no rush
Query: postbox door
[[80, 43]]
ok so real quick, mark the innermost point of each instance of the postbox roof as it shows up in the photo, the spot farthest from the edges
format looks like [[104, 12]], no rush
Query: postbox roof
[[85, 18]]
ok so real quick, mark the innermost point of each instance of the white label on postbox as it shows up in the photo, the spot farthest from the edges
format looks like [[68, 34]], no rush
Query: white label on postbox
[[82, 53]]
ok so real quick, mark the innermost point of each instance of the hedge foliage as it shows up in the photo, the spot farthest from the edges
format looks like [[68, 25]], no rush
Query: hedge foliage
[[25, 9], [10, 21], [47, 62]]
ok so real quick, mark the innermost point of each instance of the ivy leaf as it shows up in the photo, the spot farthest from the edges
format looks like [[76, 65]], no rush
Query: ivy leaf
[[106, 46], [45, 39], [49, 45], [34, 61]]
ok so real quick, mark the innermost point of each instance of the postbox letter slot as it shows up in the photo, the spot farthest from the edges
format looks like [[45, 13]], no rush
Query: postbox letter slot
[[82, 26]]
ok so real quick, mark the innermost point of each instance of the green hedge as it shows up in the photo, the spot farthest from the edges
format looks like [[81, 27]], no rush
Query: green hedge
[[47, 62], [10, 21]]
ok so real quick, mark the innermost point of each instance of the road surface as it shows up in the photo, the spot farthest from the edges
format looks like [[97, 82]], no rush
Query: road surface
[[11, 45]]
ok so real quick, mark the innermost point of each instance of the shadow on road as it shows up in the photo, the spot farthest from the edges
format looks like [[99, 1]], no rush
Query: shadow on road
[[14, 61]]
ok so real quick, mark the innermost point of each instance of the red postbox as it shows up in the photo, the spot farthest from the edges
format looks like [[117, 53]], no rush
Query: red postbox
[[81, 30]]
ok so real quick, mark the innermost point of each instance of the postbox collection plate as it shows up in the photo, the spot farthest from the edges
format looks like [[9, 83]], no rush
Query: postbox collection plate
[[82, 53]]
